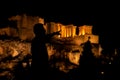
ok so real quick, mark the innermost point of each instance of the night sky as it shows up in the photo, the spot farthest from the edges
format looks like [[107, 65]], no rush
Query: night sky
[[105, 21]]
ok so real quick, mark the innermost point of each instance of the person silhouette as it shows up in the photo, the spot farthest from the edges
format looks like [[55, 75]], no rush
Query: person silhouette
[[87, 62], [39, 52]]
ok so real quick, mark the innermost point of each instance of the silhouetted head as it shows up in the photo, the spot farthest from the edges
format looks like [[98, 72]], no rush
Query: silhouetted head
[[88, 45], [39, 29], [89, 38]]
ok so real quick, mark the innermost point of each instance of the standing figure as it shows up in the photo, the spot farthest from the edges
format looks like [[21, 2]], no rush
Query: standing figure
[[87, 62], [39, 52]]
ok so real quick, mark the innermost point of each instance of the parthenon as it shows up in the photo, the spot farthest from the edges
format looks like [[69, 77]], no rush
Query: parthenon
[[25, 25], [24, 30], [66, 30]]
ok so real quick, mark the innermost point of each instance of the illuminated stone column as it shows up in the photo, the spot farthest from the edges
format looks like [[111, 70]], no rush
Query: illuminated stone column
[[70, 31], [63, 31], [67, 31], [85, 29], [88, 29], [73, 31], [81, 30]]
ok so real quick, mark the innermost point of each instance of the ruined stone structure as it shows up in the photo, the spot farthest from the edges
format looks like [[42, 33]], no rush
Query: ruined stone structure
[[66, 30], [85, 31], [24, 30], [8, 31], [25, 25]]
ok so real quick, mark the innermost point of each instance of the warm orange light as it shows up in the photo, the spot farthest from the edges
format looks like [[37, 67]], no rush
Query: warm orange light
[[83, 32], [74, 58], [73, 32], [59, 36]]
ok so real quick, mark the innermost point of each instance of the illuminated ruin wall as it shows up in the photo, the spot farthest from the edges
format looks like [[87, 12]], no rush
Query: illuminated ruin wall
[[25, 29], [25, 25], [8, 31], [83, 38], [85, 31], [5, 31], [66, 30]]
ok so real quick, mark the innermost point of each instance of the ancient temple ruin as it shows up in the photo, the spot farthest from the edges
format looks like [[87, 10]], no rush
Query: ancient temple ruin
[[24, 30]]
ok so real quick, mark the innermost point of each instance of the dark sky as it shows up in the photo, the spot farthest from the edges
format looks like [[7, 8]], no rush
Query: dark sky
[[105, 21], [65, 13]]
